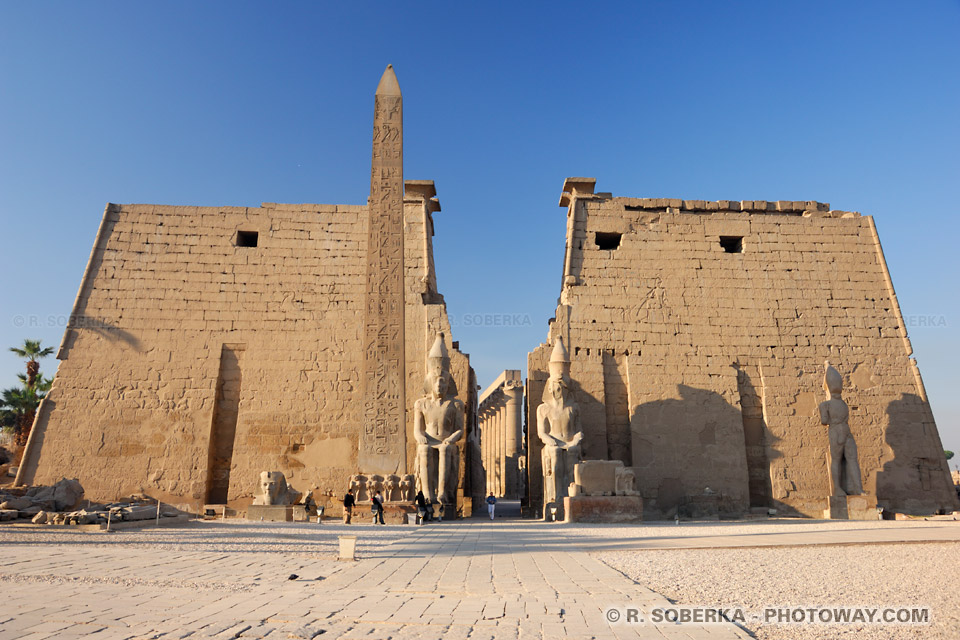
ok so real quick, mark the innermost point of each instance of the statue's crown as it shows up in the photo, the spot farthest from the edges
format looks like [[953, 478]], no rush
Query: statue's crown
[[832, 378]]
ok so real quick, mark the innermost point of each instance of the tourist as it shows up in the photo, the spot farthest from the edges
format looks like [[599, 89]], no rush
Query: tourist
[[348, 502], [491, 504], [422, 510], [376, 508]]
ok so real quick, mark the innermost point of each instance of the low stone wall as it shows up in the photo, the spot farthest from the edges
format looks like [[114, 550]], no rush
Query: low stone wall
[[603, 509]]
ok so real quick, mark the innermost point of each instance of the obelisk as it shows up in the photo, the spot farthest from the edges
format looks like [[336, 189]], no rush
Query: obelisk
[[383, 437]]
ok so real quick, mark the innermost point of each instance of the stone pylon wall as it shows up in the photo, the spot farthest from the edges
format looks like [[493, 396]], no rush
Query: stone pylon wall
[[500, 419], [168, 292], [703, 328]]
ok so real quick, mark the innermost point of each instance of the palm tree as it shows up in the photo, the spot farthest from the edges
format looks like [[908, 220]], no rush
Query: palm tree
[[18, 406], [32, 351]]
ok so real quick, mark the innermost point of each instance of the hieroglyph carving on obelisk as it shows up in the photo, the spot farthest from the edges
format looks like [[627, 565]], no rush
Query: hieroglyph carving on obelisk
[[383, 438]]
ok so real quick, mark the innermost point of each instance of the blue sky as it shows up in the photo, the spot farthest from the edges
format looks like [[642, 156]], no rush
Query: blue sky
[[216, 103]]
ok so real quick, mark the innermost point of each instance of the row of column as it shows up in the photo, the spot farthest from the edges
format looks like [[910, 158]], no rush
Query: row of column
[[500, 419]]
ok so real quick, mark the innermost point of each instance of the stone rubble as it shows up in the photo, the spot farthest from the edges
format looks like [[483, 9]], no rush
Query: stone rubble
[[58, 505]]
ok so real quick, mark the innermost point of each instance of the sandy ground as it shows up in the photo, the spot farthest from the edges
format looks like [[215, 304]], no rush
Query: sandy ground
[[883, 575]]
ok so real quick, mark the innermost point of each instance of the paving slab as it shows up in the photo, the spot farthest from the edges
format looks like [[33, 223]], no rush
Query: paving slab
[[469, 579]]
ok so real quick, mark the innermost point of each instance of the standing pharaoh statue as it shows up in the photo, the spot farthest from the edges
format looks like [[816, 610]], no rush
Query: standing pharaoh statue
[[438, 426], [843, 450], [558, 425]]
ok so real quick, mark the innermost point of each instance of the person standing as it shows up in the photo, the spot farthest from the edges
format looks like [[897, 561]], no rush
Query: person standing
[[491, 504], [348, 502], [421, 508], [377, 508]]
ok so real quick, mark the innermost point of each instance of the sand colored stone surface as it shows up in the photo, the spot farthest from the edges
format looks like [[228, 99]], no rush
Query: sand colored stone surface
[[467, 579], [455, 580], [698, 332], [905, 575]]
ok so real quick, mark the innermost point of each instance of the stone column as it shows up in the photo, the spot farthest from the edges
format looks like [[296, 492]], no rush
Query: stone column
[[497, 460], [487, 450], [513, 391], [503, 447]]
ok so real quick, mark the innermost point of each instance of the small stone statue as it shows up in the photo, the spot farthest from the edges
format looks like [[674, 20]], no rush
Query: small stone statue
[[843, 450], [374, 485], [558, 425], [273, 490], [407, 488], [626, 482], [359, 485], [391, 488], [438, 426]]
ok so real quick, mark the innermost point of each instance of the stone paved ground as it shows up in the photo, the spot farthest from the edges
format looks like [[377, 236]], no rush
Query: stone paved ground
[[469, 579], [472, 579]]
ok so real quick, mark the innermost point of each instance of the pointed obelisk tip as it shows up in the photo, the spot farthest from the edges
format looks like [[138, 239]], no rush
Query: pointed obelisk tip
[[388, 83]]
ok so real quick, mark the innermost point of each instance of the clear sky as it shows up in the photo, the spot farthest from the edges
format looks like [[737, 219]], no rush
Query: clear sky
[[234, 103]]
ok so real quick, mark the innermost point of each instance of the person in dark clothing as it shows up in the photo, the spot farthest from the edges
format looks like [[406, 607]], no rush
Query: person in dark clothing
[[491, 504], [376, 508], [421, 507], [348, 502]]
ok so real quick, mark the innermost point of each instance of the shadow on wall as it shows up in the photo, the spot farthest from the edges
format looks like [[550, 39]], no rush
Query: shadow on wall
[[915, 478], [110, 332], [689, 456], [759, 442]]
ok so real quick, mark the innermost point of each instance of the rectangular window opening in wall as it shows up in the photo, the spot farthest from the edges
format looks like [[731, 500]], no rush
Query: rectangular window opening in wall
[[247, 238], [608, 240], [732, 244]]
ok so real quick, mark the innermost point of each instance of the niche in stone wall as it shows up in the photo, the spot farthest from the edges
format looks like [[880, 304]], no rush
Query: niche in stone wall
[[732, 244], [224, 427], [607, 240], [247, 238]]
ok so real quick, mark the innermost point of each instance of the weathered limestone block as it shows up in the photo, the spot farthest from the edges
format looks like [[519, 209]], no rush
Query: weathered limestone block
[[136, 512], [597, 477], [271, 512], [603, 509], [62, 496], [31, 511], [9, 514], [17, 504], [67, 494], [851, 508]]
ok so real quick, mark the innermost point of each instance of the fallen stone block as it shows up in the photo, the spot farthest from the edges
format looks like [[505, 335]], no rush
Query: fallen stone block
[[29, 512], [17, 504], [139, 512], [67, 494]]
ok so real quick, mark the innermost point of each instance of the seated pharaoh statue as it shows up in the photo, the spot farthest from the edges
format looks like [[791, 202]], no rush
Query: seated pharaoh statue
[[843, 450], [273, 490], [558, 425], [438, 426]]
